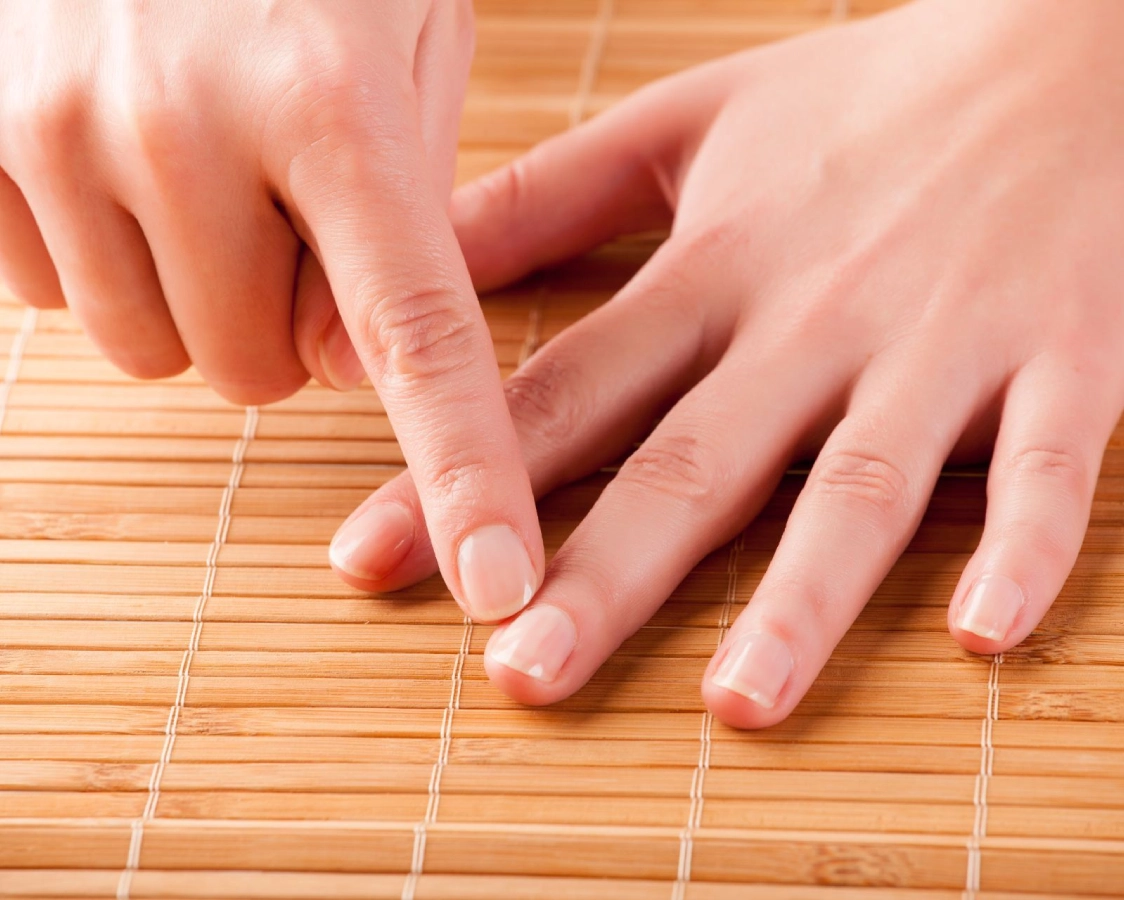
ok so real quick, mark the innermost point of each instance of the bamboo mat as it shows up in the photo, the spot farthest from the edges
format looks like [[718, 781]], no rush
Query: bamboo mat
[[192, 706]]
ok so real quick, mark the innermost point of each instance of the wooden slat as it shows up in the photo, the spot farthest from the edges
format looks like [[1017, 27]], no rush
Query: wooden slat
[[319, 743]]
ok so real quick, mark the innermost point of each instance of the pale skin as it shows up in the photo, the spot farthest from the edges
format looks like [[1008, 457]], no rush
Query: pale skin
[[893, 244]]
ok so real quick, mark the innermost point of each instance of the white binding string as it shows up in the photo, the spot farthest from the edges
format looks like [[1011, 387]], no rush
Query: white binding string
[[421, 829], [591, 64], [588, 75], [979, 794], [136, 840], [840, 9], [698, 779], [15, 358]]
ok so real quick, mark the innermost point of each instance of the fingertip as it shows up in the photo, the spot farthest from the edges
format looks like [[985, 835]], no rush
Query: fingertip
[[340, 366], [260, 393], [149, 368], [529, 658], [980, 646], [474, 211], [750, 683], [39, 296], [497, 574], [736, 711], [391, 552], [991, 616], [371, 546]]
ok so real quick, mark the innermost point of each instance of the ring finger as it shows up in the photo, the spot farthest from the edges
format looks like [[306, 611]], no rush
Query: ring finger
[[107, 274], [25, 264], [863, 501]]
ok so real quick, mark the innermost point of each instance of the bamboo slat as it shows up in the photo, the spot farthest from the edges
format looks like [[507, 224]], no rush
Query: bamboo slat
[[191, 716]]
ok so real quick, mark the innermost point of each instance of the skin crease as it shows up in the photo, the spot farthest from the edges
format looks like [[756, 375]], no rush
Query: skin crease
[[896, 243], [258, 189]]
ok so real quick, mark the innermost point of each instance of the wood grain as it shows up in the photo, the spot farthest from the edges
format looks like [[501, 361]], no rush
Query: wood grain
[[272, 734]]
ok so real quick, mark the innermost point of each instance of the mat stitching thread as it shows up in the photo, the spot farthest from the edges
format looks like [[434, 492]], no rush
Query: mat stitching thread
[[840, 9], [590, 65], [417, 860], [592, 62], [136, 840], [979, 794], [15, 358], [698, 779]]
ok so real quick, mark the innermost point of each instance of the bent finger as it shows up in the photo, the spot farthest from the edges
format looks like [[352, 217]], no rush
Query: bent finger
[[321, 338], [110, 281], [25, 265]]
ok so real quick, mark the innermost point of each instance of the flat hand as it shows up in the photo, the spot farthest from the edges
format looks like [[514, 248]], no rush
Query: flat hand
[[896, 243], [256, 188]]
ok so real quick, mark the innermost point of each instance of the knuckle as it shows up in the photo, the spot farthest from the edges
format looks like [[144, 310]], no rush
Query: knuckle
[[1050, 543], [43, 128], [325, 88], [542, 396], [507, 188], [153, 131], [709, 246], [1057, 463], [419, 335], [458, 478], [863, 478], [598, 581], [680, 466]]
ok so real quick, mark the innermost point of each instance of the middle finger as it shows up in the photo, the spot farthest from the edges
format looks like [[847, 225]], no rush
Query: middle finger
[[706, 470]]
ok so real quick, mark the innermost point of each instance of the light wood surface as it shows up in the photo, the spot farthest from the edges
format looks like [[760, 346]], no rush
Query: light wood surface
[[192, 706]]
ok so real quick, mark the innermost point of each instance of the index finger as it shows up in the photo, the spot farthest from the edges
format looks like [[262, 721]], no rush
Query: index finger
[[405, 297]]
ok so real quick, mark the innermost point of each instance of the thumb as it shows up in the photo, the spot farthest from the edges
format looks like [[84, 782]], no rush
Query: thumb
[[610, 176]]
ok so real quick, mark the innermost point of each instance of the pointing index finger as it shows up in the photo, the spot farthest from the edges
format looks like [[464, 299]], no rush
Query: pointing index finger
[[406, 300]]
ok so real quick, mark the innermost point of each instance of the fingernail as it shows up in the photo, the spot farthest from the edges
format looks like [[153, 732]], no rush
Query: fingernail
[[374, 543], [338, 358], [757, 666], [991, 606], [538, 643], [496, 575]]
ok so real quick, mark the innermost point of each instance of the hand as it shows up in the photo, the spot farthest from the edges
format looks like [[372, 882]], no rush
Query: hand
[[256, 188], [897, 241]]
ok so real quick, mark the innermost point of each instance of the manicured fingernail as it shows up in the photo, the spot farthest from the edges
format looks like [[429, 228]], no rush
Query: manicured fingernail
[[496, 575], [991, 606], [538, 643], [757, 666], [374, 543], [341, 365]]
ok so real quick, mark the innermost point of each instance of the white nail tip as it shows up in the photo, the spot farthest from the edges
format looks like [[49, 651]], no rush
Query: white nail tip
[[991, 607], [537, 644], [757, 666], [732, 684]]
